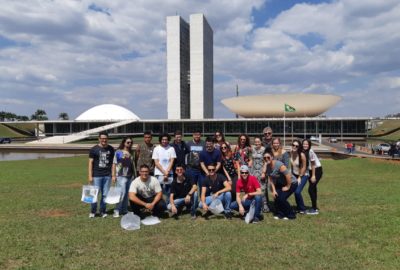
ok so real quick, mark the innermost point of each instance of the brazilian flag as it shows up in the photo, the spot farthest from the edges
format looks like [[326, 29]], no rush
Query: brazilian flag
[[289, 108]]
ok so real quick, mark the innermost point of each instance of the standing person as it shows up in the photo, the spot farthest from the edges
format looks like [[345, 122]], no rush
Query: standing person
[[282, 183], [122, 171], [144, 152], [279, 153], [219, 139], [215, 186], [99, 171], [257, 154], [181, 149], [267, 139], [242, 152], [145, 194], [249, 185], [228, 167], [196, 146], [164, 156], [183, 193], [298, 163], [210, 155], [315, 173]]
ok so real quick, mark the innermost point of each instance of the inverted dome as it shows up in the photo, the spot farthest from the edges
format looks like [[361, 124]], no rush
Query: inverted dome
[[273, 105], [107, 112]]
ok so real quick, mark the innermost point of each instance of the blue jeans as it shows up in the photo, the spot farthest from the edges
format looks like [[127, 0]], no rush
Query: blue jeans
[[297, 193], [166, 186], [124, 183], [180, 203], [282, 206], [197, 177], [246, 205], [103, 183], [225, 198]]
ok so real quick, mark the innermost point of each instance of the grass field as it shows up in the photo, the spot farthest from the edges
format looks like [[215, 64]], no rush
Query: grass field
[[43, 225], [8, 133], [385, 127]]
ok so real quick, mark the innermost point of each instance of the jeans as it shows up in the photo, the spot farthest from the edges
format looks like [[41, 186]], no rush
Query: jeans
[[246, 205], [124, 183], [166, 186], [282, 206], [158, 209], [225, 198], [297, 193], [180, 203], [197, 177], [103, 183]]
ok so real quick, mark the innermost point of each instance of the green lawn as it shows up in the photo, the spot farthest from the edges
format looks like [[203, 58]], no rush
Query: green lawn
[[385, 127], [43, 225], [8, 133]]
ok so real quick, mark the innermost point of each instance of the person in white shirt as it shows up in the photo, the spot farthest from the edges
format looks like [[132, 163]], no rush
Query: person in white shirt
[[164, 156], [314, 169], [145, 194]]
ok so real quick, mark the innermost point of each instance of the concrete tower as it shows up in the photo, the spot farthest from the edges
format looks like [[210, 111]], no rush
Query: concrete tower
[[190, 80]]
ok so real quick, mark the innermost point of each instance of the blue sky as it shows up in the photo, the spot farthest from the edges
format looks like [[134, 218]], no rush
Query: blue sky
[[68, 56]]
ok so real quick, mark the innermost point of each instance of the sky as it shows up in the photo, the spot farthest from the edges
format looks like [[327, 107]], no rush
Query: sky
[[68, 56]]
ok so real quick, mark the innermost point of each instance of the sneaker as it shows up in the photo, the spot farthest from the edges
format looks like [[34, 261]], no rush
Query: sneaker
[[175, 216], [116, 214], [104, 215], [255, 220], [228, 216], [302, 212], [92, 215], [312, 212], [193, 217], [280, 218]]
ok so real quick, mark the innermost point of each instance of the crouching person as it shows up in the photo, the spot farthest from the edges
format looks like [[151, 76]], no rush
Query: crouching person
[[183, 193], [249, 185], [145, 194], [216, 186]]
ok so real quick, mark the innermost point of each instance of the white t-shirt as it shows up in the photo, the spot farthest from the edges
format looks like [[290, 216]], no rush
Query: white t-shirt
[[146, 189], [164, 155], [314, 158]]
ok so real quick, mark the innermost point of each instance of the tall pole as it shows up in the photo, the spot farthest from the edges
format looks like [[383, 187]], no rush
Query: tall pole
[[284, 127], [237, 94]]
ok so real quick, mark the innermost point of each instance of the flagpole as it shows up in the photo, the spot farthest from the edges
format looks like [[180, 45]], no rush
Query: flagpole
[[284, 127]]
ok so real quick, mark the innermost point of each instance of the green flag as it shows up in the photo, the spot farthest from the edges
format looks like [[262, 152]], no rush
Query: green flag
[[289, 108]]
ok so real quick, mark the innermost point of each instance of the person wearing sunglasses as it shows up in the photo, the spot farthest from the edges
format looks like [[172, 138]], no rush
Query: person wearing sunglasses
[[99, 171], [123, 169], [298, 163], [267, 139], [251, 189], [282, 184], [215, 186], [219, 139]]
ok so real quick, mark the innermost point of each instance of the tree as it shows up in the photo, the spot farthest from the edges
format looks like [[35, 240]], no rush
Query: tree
[[63, 116], [39, 115]]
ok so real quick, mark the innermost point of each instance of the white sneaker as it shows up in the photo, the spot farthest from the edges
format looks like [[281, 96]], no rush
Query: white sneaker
[[116, 214], [104, 215], [91, 215]]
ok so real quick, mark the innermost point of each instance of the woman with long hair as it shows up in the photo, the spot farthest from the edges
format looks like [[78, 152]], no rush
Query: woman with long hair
[[228, 167], [242, 152], [219, 139], [280, 153], [298, 163], [314, 169], [257, 154], [282, 183], [123, 170]]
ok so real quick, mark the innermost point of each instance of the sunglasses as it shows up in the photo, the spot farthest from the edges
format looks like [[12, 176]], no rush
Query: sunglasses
[[128, 142], [267, 157], [268, 133], [244, 172], [211, 170], [224, 147], [179, 170], [295, 145]]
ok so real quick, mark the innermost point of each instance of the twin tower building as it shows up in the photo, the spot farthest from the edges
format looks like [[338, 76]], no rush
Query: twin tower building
[[190, 79]]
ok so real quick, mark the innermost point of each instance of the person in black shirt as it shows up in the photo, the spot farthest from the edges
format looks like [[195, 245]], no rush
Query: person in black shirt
[[181, 149], [183, 193], [99, 171], [216, 186]]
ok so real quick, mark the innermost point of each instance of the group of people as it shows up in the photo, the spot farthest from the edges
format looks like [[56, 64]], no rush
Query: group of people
[[177, 176]]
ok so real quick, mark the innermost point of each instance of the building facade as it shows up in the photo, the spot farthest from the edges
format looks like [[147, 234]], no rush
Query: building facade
[[190, 79]]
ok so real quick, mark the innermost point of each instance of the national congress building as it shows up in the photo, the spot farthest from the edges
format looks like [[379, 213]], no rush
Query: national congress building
[[190, 71]]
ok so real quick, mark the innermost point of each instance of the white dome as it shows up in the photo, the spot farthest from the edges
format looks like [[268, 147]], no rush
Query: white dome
[[107, 112]]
